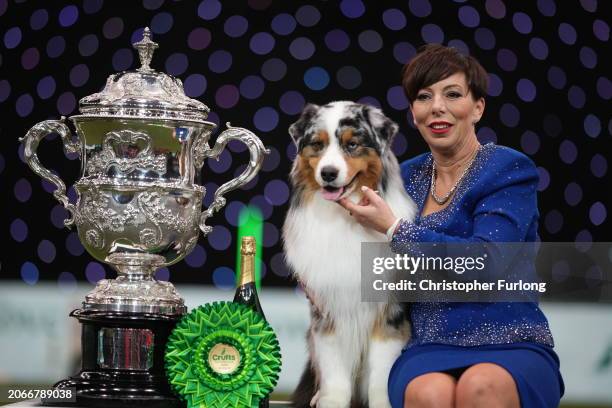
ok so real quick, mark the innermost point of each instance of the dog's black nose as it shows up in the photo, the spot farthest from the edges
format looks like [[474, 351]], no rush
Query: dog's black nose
[[329, 173]]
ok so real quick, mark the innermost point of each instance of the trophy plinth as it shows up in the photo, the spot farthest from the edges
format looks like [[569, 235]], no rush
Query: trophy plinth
[[122, 360], [142, 143]]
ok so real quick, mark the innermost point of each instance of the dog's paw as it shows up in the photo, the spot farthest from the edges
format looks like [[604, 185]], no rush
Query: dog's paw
[[378, 398], [334, 400]]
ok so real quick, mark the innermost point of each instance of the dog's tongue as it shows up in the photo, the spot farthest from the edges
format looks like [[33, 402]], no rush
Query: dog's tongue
[[332, 195]]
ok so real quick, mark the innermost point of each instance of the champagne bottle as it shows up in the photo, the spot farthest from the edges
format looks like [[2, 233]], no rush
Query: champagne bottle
[[246, 292]]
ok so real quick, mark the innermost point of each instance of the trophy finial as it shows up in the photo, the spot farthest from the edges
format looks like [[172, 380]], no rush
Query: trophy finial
[[145, 48]]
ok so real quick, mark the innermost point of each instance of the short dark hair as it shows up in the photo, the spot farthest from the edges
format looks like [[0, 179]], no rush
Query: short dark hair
[[435, 62]]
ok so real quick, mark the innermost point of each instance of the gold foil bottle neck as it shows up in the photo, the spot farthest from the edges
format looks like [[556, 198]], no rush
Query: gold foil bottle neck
[[247, 260], [247, 246]]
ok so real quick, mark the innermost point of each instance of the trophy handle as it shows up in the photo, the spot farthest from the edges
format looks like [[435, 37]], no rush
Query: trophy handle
[[257, 151], [31, 141]]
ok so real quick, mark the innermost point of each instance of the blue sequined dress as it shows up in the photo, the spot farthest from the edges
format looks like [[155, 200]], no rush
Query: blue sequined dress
[[495, 202]]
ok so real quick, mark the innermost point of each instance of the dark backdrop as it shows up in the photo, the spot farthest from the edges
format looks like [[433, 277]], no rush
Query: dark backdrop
[[255, 63]]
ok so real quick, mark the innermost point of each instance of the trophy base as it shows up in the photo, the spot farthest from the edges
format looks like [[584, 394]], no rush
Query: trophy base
[[122, 361], [101, 390]]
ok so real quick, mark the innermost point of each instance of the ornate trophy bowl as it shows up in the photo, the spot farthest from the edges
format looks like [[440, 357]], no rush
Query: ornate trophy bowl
[[142, 143]]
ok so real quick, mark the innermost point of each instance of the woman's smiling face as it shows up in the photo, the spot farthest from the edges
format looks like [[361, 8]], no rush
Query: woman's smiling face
[[445, 112]]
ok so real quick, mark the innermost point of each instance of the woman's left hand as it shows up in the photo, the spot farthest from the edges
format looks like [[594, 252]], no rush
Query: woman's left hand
[[371, 212]]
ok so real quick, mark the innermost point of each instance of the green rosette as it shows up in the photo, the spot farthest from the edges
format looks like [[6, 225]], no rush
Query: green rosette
[[223, 354]]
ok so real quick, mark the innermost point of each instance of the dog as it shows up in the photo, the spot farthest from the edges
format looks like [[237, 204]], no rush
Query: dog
[[352, 345]]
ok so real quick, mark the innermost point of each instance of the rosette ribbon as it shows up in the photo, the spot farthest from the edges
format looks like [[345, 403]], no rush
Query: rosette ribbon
[[223, 354]]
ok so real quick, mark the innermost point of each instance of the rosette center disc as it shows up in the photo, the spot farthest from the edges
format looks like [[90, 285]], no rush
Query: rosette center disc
[[223, 358]]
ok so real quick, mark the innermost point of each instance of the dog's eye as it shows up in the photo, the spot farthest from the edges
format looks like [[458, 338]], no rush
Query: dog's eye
[[317, 145], [352, 145]]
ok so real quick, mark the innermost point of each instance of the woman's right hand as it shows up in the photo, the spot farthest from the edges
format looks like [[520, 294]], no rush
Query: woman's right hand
[[371, 212]]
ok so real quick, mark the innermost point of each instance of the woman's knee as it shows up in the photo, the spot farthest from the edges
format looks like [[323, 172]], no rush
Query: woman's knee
[[430, 390], [488, 385]]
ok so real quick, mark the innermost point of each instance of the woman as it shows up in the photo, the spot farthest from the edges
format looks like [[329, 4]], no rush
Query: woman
[[465, 354]]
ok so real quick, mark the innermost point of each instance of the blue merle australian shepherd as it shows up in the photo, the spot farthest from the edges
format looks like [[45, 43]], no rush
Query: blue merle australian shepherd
[[352, 344]]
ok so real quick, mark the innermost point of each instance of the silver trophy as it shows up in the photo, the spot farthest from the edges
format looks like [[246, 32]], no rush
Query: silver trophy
[[142, 143]]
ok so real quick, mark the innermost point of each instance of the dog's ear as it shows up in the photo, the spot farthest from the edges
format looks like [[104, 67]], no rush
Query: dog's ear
[[384, 127], [298, 129]]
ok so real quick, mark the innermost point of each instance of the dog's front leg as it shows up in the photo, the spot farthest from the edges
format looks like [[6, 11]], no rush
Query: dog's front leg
[[334, 371], [382, 353]]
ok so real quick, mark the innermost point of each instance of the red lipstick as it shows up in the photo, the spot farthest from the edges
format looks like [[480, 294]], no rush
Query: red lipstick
[[440, 127]]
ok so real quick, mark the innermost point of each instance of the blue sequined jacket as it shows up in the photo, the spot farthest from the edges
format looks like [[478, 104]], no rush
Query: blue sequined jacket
[[495, 202]]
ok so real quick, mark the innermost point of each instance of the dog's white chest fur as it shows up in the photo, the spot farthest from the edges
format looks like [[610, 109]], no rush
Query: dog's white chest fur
[[323, 247]]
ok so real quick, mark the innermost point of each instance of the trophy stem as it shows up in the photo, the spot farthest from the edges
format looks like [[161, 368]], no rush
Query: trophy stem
[[135, 290], [135, 266]]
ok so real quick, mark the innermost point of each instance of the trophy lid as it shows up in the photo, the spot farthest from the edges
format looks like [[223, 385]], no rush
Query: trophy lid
[[144, 93]]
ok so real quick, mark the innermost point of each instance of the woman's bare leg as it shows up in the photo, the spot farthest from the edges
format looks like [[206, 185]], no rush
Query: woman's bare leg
[[435, 390], [486, 385]]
